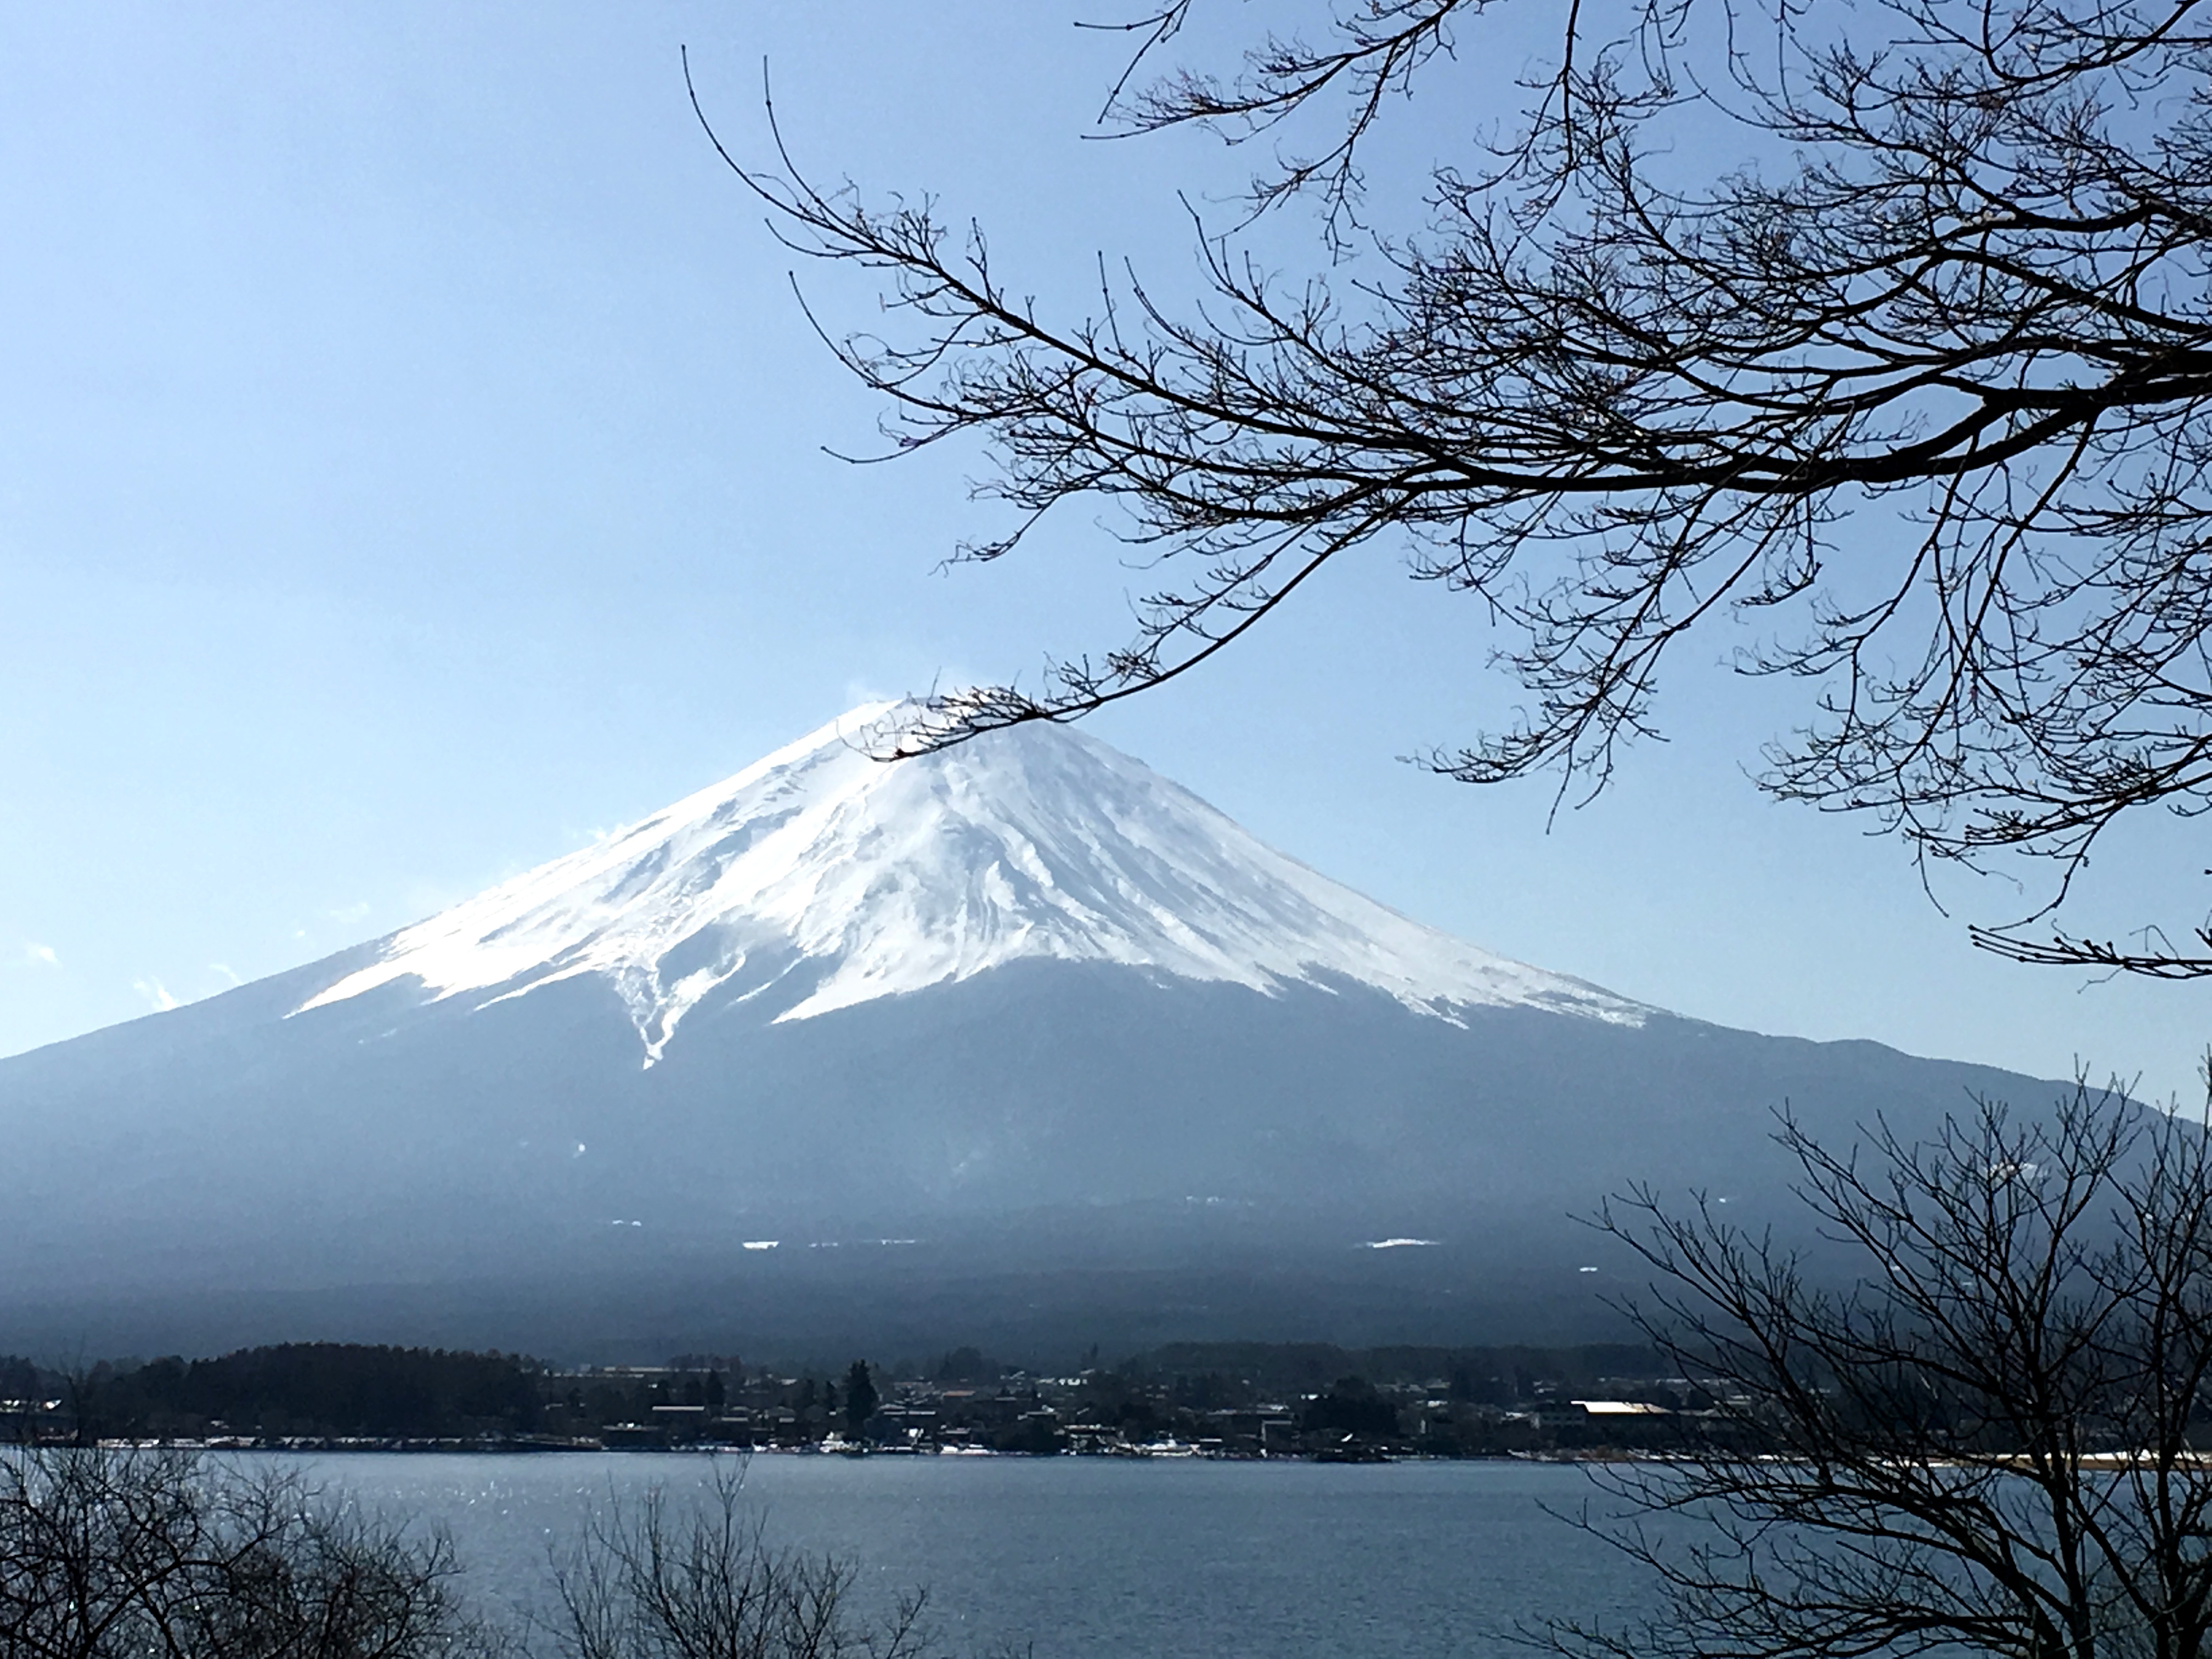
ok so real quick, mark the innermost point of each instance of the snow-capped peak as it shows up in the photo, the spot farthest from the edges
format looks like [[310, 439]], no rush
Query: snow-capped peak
[[860, 879]]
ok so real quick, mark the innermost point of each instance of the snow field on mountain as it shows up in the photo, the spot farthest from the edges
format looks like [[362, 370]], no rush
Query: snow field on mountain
[[871, 879]]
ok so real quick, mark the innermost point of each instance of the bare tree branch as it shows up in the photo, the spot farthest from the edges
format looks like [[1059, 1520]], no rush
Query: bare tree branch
[[1923, 395], [1995, 1440]]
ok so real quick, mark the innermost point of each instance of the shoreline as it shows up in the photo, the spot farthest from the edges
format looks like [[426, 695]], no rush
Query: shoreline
[[1168, 1452]]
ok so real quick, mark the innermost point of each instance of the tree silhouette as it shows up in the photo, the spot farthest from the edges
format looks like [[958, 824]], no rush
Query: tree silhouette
[[1993, 1443], [1921, 387], [861, 1397]]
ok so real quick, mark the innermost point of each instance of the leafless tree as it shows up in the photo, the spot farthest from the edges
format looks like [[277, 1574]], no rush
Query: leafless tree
[[1921, 389], [106, 1553], [1996, 1443], [648, 1583]]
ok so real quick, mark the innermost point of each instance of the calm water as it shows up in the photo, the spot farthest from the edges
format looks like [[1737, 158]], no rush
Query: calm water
[[1090, 1556]]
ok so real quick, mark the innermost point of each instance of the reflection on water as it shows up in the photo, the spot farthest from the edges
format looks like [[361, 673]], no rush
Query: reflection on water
[[1089, 1556]]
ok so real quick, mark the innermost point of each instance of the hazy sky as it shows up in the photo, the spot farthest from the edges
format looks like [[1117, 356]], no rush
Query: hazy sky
[[411, 462]]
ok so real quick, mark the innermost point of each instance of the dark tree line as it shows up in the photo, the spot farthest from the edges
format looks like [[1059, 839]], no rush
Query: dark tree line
[[322, 1389], [1886, 329]]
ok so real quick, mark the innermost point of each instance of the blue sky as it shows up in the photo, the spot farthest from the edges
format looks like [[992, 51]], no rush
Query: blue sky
[[412, 461]]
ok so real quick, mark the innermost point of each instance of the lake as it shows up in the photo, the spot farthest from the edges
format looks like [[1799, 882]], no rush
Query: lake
[[1158, 1558]]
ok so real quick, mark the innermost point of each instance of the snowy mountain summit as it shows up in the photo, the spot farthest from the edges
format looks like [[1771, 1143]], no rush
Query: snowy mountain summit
[[822, 877]]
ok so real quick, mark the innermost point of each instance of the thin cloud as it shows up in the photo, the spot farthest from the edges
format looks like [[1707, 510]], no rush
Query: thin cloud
[[860, 691], [350, 914], [156, 994], [41, 953], [228, 972]]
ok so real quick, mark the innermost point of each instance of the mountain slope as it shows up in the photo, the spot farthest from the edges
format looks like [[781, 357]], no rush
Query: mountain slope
[[1093, 1057], [855, 879]]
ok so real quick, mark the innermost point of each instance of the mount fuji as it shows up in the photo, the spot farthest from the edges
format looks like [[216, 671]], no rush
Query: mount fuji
[[1014, 1041], [822, 879]]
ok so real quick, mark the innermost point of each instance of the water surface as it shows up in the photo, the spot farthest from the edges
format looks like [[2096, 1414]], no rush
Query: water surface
[[1169, 1559]]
